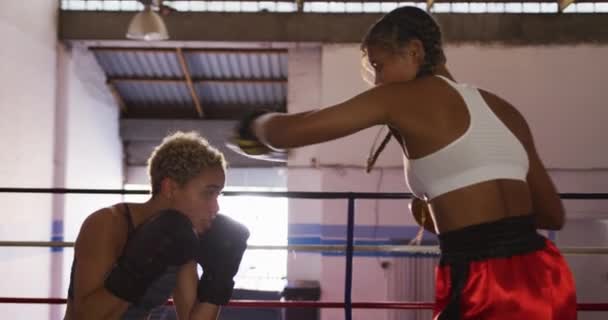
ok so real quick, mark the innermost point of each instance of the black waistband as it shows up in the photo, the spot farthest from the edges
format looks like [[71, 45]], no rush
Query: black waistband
[[502, 238]]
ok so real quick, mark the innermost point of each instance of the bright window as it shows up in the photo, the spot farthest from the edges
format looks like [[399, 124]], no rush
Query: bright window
[[266, 219], [336, 6]]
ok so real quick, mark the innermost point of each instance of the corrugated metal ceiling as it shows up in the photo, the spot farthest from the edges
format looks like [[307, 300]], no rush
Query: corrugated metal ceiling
[[155, 80]]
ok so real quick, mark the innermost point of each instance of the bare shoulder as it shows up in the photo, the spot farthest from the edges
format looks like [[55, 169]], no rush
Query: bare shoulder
[[417, 106], [108, 217], [417, 97], [107, 224]]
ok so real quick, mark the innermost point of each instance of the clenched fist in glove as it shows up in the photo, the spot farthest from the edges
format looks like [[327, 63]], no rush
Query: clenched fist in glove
[[245, 141], [220, 251]]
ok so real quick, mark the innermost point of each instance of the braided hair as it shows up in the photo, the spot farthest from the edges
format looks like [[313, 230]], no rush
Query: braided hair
[[393, 32], [398, 27]]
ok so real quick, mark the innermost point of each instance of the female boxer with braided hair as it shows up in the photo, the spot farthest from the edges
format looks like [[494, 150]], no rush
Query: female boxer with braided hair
[[470, 161], [131, 257]]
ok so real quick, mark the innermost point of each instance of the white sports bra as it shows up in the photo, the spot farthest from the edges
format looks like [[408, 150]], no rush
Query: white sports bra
[[487, 150]]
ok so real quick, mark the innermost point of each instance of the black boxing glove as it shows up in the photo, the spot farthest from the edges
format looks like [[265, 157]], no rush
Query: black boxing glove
[[244, 128], [220, 251], [167, 239], [245, 142]]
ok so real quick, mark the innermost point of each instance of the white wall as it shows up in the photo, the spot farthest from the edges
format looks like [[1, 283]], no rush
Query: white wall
[[92, 151], [558, 89], [304, 92], [62, 130], [27, 105], [304, 72], [93, 147]]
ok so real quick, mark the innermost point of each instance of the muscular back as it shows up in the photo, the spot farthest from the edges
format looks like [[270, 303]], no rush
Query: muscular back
[[439, 117]]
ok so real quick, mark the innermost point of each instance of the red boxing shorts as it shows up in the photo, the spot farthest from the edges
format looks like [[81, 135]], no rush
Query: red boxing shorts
[[502, 270]]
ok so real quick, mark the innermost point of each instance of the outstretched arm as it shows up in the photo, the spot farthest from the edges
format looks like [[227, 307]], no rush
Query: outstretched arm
[[372, 107]]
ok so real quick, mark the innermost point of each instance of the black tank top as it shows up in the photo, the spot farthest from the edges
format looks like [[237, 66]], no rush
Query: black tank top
[[130, 228], [158, 292]]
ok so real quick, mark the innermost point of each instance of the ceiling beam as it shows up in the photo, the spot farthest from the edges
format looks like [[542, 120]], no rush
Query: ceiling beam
[[197, 80], [186, 72], [115, 80], [212, 111], [202, 27], [235, 51], [133, 49], [162, 112], [189, 50]]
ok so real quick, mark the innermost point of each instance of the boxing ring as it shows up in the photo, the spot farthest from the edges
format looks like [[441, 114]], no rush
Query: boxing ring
[[347, 304]]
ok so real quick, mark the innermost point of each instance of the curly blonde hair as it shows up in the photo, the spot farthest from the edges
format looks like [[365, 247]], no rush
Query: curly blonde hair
[[181, 156]]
